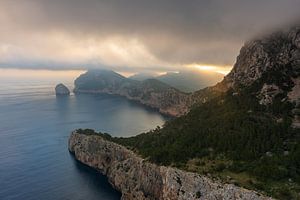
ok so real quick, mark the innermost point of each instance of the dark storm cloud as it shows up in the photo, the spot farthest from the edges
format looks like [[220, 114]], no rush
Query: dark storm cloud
[[161, 32]]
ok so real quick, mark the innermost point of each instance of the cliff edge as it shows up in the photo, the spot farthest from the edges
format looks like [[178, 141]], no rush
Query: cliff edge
[[139, 179], [270, 63]]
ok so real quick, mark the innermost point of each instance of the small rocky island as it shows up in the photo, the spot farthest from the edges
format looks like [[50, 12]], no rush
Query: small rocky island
[[61, 89]]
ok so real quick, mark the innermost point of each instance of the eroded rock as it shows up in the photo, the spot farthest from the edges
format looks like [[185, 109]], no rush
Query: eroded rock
[[267, 93], [61, 89], [138, 179]]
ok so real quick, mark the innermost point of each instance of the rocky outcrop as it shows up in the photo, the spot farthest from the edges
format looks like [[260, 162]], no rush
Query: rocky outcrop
[[267, 93], [272, 63], [279, 51], [151, 92], [268, 68], [61, 89], [294, 97], [138, 179], [294, 94]]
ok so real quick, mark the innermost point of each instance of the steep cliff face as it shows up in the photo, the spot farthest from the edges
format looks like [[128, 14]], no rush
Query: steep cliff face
[[271, 62], [138, 179], [254, 104], [270, 65], [277, 52]]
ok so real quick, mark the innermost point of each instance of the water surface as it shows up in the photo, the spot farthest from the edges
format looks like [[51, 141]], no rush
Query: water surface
[[34, 130]]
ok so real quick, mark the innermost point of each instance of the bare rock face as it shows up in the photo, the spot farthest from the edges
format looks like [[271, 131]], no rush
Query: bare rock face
[[267, 93], [140, 180], [294, 97], [274, 59], [279, 51], [61, 89], [294, 94], [273, 64]]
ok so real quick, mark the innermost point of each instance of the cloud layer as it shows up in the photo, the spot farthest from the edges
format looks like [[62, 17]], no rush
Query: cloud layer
[[133, 35]]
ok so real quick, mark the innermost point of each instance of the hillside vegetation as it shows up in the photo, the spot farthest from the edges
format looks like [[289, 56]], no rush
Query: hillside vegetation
[[231, 137], [244, 130]]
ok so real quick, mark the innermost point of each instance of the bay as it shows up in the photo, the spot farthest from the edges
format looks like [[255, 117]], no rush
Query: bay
[[34, 130]]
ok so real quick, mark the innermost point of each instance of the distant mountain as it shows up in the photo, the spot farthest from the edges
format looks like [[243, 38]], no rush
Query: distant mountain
[[96, 80], [191, 80], [248, 133], [142, 76], [185, 80], [150, 92], [270, 64], [243, 131]]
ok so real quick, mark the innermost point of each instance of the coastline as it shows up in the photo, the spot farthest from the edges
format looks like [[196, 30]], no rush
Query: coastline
[[136, 178], [172, 111]]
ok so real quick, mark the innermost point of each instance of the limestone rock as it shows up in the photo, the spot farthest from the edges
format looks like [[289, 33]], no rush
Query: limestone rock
[[273, 60], [61, 89], [294, 94], [271, 63], [276, 51], [267, 93], [138, 179]]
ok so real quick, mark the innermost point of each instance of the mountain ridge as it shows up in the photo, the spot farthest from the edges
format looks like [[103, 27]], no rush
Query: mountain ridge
[[266, 58], [189, 80], [245, 129], [151, 92]]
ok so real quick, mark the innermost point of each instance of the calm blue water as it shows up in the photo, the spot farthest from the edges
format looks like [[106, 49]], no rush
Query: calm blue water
[[34, 130]]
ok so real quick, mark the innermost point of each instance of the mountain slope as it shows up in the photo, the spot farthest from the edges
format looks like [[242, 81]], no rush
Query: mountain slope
[[100, 80], [271, 63], [150, 92], [142, 76], [246, 131], [185, 80], [190, 80]]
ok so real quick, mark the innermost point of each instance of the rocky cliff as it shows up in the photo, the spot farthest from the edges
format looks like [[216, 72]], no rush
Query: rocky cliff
[[61, 89], [150, 92], [276, 52], [271, 62], [247, 115], [138, 179]]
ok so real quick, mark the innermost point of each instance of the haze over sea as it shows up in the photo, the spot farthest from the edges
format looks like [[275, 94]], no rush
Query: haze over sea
[[34, 130]]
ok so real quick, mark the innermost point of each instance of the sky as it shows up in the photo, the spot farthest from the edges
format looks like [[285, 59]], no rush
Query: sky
[[134, 35]]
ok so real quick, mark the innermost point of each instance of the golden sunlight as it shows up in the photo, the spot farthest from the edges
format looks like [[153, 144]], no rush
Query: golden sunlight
[[211, 68]]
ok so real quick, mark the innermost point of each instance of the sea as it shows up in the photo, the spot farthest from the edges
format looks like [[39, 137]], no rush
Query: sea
[[35, 125]]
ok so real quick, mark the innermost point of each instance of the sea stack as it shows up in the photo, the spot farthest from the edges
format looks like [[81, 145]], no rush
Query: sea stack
[[61, 89]]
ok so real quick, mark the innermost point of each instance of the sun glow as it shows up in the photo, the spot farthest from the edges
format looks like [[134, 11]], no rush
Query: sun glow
[[211, 68]]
